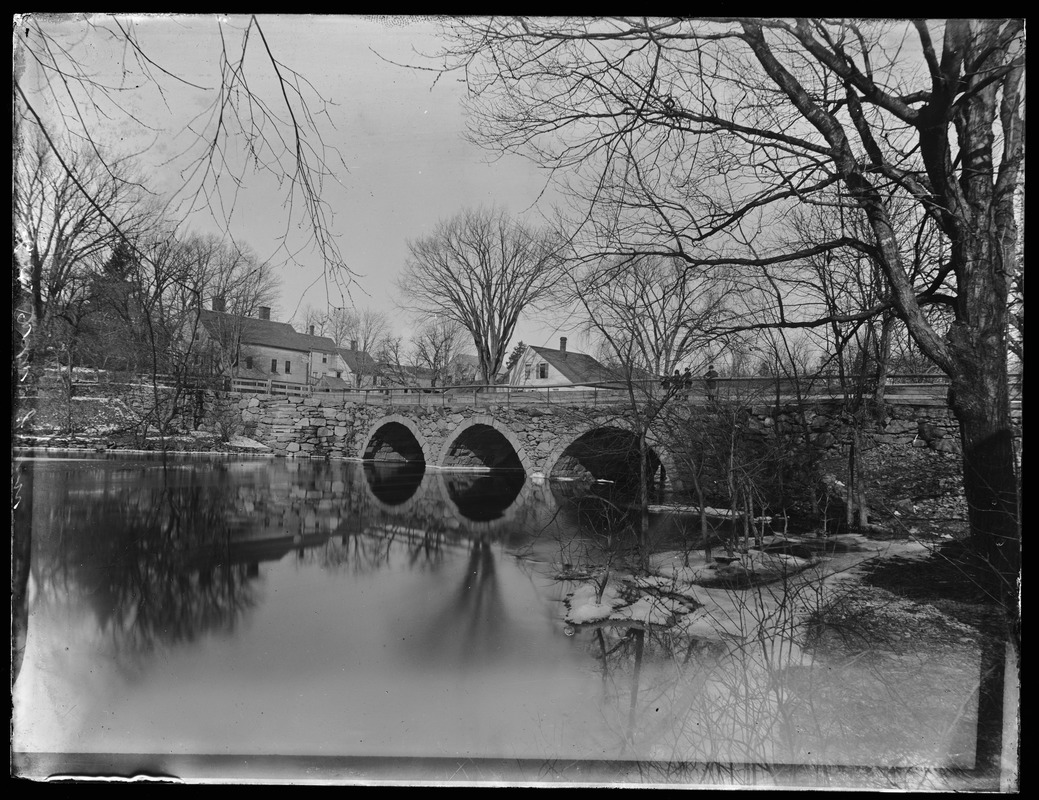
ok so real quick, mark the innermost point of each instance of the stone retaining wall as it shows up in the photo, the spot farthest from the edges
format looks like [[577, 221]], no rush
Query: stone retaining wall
[[918, 425]]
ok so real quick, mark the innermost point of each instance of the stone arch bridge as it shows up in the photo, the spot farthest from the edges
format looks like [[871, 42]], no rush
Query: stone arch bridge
[[560, 441], [548, 442]]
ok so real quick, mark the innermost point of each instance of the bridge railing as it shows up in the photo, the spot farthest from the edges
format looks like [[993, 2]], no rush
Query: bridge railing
[[763, 388], [250, 386]]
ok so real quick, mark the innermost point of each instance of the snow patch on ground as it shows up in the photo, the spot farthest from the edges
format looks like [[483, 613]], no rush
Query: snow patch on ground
[[619, 604], [753, 565], [247, 443], [709, 601], [721, 513]]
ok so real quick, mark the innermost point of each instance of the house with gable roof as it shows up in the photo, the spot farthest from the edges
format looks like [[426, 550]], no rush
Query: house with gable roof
[[547, 366], [259, 348], [346, 369], [358, 367]]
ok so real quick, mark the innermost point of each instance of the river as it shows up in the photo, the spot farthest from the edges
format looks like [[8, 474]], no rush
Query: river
[[245, 606]]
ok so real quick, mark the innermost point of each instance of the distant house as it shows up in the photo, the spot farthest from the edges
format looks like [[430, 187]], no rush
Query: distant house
[[258, 348], [464, 369], [358, 368], [546, 366]]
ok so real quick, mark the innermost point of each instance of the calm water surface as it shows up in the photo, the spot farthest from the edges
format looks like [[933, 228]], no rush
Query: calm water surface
[[212, 605]]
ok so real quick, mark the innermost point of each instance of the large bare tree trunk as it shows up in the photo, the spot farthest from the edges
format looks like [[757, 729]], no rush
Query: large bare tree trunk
[[980, 402]]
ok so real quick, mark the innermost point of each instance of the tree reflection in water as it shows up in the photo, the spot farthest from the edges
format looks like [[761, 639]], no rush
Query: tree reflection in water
[[149, 556], [377, 547], [471, 628]]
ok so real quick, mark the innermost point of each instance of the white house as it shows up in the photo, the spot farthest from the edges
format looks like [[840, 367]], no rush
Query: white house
[[546, 366]]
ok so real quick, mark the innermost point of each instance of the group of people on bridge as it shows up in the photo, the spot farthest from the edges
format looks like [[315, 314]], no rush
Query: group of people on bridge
[[684, 381]]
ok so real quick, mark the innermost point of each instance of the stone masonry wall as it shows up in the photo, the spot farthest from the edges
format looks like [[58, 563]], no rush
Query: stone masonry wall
[[331, 428]]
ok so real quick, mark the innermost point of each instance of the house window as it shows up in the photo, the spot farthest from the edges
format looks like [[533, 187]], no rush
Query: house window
[[542, 371], [248, 362], [339, 374], [526, 372], [324, 359], [274, 365], [288, 367]]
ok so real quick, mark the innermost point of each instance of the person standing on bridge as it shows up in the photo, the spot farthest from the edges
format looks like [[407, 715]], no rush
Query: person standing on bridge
[[710, 379]]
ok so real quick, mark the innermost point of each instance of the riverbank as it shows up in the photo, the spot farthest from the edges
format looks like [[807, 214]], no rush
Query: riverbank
[[892, 650], [120, 441]]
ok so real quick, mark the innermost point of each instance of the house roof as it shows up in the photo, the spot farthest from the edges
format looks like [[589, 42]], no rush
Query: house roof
[[331, 382], [581, 367], [357, 360], [263, 332]]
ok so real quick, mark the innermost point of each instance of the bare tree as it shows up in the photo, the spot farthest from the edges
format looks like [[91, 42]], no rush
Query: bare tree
[[393, 361], [257, 115], [318, 320], [368, 327], [651, 313], [67, 219], [482, 270], [436, 344], [362, 329], [689, 131], [337, 324]]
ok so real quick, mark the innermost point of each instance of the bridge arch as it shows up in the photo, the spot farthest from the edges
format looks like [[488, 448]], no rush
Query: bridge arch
[[396, 438], [484, 439], [603, 450]]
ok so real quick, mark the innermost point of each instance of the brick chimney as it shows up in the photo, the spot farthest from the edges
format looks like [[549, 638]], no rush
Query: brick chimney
[[562, 345], [265, 312], [311, 330], [353, 344], [218, 303]]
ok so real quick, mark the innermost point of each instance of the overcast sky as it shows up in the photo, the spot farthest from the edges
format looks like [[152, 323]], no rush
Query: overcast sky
[[405, 162]]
